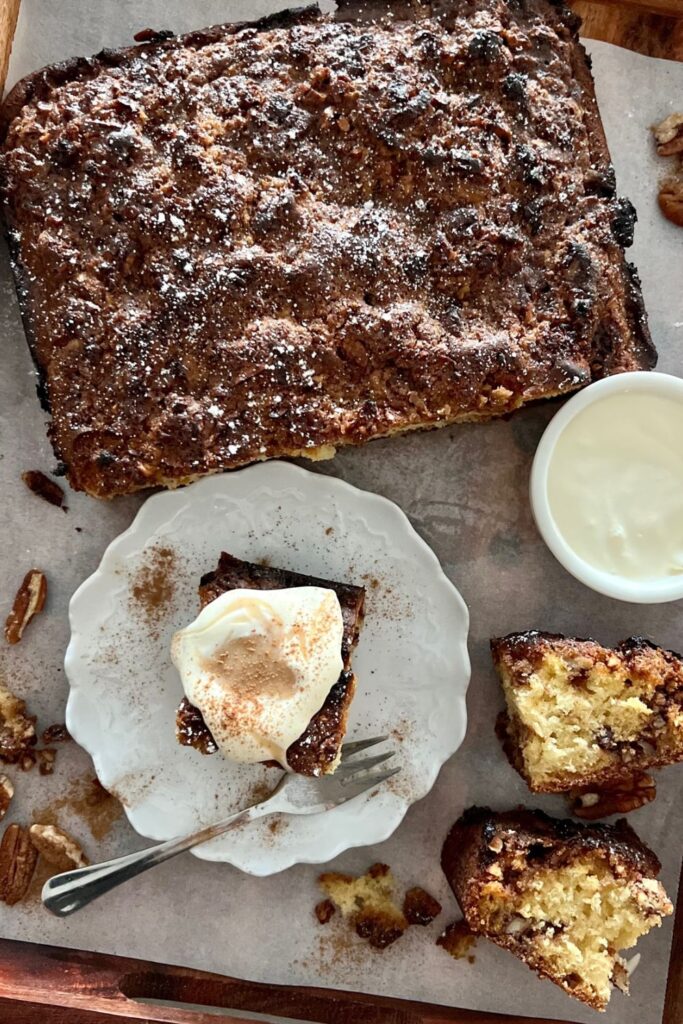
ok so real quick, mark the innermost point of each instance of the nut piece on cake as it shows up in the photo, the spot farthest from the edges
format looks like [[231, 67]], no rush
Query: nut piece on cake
[[582, 716], [564, 897], [317, 749]]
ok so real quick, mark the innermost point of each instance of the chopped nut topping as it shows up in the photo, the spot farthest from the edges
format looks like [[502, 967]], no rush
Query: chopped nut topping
[[6, 794], [44, 487], [17, 863], [419, 907], [669, 135], [324, 911], [17, 731], [457, 939], [496, 844], [57, 847], [30, 600], [622, 797]]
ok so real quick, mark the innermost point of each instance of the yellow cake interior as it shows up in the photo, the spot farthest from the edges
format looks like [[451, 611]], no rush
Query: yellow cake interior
[[556, 719], [574, 920]]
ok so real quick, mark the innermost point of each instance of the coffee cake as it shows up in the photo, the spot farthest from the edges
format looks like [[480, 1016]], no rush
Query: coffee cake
[[274, 239], [581, 716], [563, 897], [317, 750]]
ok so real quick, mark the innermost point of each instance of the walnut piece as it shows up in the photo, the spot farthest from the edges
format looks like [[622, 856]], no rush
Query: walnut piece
[[30, 600], [669, 135], [17, 730], [6, 794], [18, 859], [671, 199], [622, 797], [57, 847], [45, 488]]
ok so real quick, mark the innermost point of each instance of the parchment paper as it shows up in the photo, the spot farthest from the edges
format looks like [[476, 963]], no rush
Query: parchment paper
[[465, 489]]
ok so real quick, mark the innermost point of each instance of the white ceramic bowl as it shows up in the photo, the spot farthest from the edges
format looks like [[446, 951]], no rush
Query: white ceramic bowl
[[669, 588]]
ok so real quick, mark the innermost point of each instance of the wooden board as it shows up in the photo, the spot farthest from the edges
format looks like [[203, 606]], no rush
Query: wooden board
[[61, 986]]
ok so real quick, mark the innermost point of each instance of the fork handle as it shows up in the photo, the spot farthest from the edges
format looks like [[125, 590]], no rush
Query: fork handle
[[66, 893]]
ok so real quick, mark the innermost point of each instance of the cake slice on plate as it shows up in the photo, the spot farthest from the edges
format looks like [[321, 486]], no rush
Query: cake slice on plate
[[317, 750], [565, 898]]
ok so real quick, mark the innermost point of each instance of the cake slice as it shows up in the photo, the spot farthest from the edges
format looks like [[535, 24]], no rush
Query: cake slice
[[580, 715], [317, 750], [564, 897]]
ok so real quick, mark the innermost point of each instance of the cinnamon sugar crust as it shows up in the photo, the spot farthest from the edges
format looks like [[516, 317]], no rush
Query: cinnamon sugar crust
[[275, 239]]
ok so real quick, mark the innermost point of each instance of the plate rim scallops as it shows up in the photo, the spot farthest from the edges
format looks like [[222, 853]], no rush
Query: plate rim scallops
[[411, 663]]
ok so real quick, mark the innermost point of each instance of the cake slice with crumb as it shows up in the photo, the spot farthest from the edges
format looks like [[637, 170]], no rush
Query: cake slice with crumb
[[565, 898], [580, 715]]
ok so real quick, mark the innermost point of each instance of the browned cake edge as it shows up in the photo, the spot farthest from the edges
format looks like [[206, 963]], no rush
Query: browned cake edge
[[530, 644], [317, 748], [474, 841], [614, 359]]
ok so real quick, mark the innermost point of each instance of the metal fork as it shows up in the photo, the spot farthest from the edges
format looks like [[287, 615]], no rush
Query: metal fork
[[294, 794]]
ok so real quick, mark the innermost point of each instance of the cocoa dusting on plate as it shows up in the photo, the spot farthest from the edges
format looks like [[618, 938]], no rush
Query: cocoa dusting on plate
[[90, 801], [154, 583]]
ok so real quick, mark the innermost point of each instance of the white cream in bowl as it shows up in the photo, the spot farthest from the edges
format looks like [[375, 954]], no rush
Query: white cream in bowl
[[607, 487]]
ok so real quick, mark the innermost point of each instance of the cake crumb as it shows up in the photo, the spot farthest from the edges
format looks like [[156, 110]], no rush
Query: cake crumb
[[419, 907], [325, 910], [457, 940]]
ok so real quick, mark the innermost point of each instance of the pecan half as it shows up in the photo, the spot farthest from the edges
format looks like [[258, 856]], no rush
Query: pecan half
[[30, 600], [622, 797], [671, 200], [57, 847], [18, 859], [6, 794], [43, 487], [669, 135]]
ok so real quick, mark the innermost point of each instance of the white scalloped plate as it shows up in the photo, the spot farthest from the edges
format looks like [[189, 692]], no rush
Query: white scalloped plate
[[412, 663]]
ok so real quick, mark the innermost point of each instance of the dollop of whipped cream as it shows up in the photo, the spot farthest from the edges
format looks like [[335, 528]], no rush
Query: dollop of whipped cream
[[259, 665]]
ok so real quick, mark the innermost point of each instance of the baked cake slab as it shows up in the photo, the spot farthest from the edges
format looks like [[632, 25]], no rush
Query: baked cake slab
[[275, 239]]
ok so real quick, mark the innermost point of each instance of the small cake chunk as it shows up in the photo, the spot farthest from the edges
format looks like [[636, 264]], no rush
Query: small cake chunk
[[581, 716], [565, 898], [368, 903], [317, 751]]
